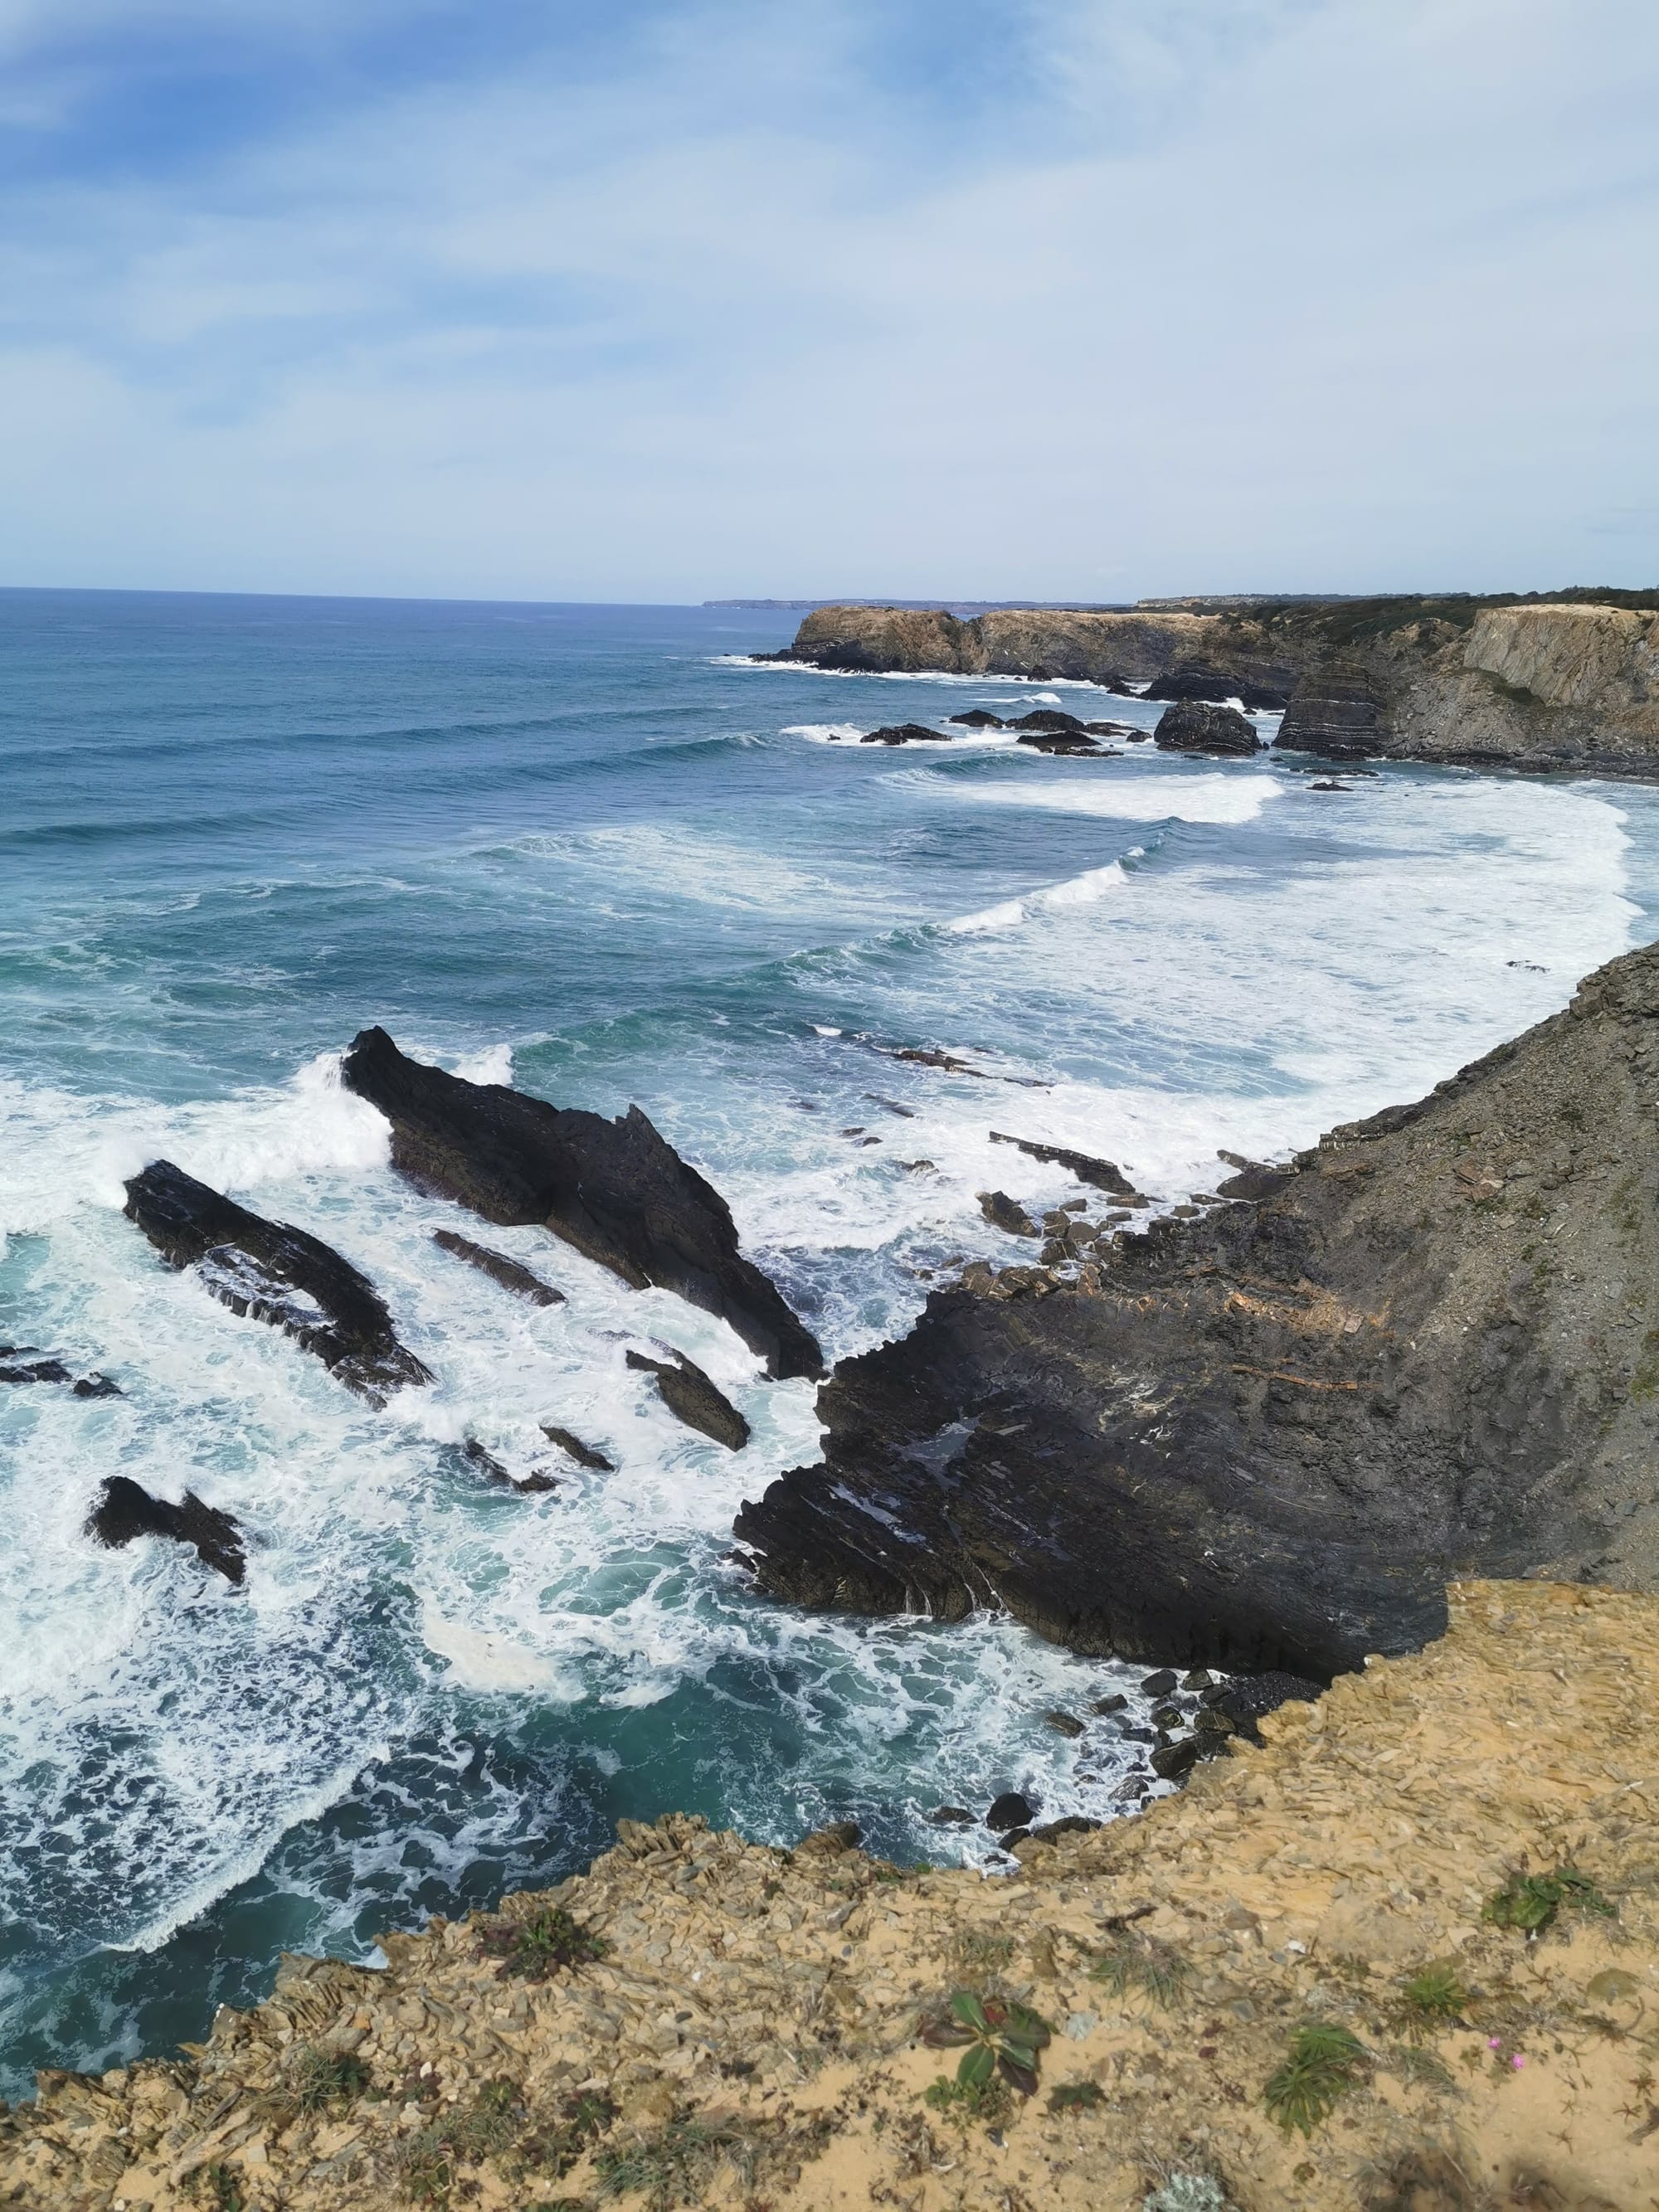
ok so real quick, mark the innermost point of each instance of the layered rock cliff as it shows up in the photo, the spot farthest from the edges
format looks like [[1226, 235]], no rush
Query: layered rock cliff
[[1570, 683], [1264, 1437], [698, 2020]]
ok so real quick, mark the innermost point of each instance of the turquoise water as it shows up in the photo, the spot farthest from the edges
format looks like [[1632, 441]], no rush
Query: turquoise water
[[598, 851]]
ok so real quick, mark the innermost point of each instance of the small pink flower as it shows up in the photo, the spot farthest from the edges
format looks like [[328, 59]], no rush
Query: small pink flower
[[1492, 2043], [1517, 2062]]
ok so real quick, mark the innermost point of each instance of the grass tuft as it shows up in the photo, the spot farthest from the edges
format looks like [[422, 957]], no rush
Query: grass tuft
[[1320, 2067], [1142, 1966], [535, 1949]]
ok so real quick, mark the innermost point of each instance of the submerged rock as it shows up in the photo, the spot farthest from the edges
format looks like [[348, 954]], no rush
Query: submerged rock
[[584, 1455], [1265, 1437], [1194, 727], [126, 1510], [25, 1363], [695, 1399], [273, 1273], [616, 1190], [509, 1273]]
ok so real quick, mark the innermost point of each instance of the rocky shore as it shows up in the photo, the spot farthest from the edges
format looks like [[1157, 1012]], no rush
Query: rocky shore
[[1571, 682], [1264, 1431], [1401, 1957]]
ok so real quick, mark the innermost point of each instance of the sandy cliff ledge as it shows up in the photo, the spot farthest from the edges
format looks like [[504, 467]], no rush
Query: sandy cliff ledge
[[750, 2036]]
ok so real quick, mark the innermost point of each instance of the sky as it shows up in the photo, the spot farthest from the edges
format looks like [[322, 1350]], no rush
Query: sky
[[1057, 299]]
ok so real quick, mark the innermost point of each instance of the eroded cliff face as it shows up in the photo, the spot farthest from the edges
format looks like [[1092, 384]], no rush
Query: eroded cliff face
[[1538, 685], [752, 2033], [1264, 1438]]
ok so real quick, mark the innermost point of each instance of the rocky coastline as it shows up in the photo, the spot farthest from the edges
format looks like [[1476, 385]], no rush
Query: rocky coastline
[[1568, 682], [1399, 1956]]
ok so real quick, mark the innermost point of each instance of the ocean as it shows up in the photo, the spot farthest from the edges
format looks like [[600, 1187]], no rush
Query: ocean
[[600, 853]]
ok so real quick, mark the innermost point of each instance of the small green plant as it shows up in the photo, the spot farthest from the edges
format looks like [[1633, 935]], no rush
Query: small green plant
[[1140, 1964], [555, 2147], [224, 2185], [991, 2102], [535, 1949], [998, 2036], [492, 2126], [1320, 2067], [1076, 2097], [670, 2166], [1418, 2068], [1531, 1902], [318, 2077], [977, 1956], [1434, 1998], [426, 2167], [1188, 2192]]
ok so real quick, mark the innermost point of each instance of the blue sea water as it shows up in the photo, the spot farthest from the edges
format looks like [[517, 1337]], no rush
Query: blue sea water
[[600, 853]]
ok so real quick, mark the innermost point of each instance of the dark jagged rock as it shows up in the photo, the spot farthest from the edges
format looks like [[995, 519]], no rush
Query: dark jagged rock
[[527, 1486], [1267, 1436], [1009, 1811], [126, 1510], [1067, 745], [584, 1455], [616, 1190], [1006, 1213], [1219, 685], [25, 1363], [1115, 729], [1194, 726], [509, 1273], [978, 718], [1242, 1703], [695, 1399], [905, 734], [930, 1056], [276, 1274], [1101, 1173]]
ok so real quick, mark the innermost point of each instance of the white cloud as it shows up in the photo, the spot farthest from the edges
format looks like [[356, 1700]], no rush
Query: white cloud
[[1358, 292]]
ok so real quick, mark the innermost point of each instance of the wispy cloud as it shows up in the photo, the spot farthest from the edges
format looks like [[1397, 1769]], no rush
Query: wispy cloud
[[1061, 296]]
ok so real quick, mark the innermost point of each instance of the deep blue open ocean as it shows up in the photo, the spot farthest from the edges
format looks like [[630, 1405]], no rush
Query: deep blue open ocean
[[597, 852]]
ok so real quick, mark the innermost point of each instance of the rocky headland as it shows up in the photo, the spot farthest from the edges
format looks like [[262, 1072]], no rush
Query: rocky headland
[[1267, 1434], [1571, 682], [1400, 1956]]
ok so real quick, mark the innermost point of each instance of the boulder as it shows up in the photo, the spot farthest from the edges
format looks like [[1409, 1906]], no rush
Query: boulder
[[126, 1510], [1010, 1810], [1067, 745], [616, 1190], [693, 1398], [509, 1273], [584, 1455], [1191, 726], [1006, 1213], [24, 1363], [905, 734], [1047, 718], [978, 718], [273, 1273]]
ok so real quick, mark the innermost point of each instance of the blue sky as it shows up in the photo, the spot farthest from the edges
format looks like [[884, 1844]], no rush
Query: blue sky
[[1065, 298]]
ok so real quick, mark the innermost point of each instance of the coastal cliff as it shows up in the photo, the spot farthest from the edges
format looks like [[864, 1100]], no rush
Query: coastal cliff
[[1442, 1874], [1264, 1437], [1568, 682]]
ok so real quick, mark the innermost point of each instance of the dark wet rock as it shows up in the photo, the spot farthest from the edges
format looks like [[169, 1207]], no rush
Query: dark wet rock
[[24, 1363], [616, 1190], [1160, 1684], [1103, 1175], [1267, 1437], [1191, 726], [832, 1841], [1069, 1824], [905, 734], [1170, 1761], [1012, 1810], [1064, 743], [273, 1273], [1323, 783], [950, 1816], [1241, 1703], [485, 1462], [930, 1056], [891, 1106], [1047, 718], [1218, 684], [978, 718], [690, 1395], [918, 1167], [509, 1273], [1116, 730], [1063, 1723], [584, 1455], [1116, 1702], [1005, 1213], [1199, 1678], [126, 1510]]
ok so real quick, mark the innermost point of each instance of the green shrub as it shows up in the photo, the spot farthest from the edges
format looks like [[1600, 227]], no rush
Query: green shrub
[[1320, 2067], [1531, 1902]]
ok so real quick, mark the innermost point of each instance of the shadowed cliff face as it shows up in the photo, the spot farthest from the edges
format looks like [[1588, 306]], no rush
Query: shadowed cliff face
[[1266, 1438], [1572, 684]]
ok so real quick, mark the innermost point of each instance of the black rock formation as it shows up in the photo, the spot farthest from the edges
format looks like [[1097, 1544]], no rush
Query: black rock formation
[[1103, 1174], [1268, 1436], [275, 1274], [528, 1485], [1006, 1213], [1193, 726], [25, 1363], [1070, 745], [1047, 718], [905, 734], [126, 1510], [584, 1455], [1217, 684], [496, 1265], [978, 718], [616, 1190], [693, 1398]]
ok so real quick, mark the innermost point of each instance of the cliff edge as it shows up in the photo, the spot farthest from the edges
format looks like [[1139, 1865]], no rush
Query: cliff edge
[[1420, 1921]]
